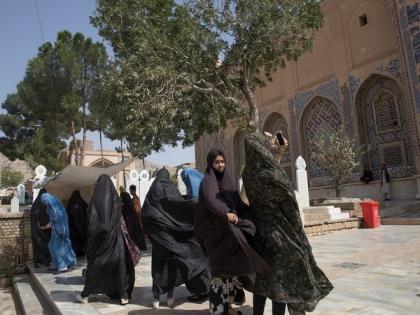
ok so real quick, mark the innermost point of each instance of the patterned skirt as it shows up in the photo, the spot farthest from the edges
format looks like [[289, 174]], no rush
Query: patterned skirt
[[224, 292]]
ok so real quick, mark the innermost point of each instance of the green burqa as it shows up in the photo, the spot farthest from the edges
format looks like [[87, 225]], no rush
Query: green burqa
[[294, 277]]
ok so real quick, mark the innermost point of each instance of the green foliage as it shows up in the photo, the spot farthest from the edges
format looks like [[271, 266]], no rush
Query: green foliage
[[55, 91], [337, 154], [187, 68], [10, 178]]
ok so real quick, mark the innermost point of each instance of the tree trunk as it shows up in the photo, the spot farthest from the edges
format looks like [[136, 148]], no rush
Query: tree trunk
[[254, 115], [82, 148], [102, 149], [75, 144]]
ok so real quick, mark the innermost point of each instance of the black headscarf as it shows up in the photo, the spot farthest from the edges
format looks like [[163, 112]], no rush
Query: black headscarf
[[76, 211], [132, 221], [177, 257], [226, 244], [110, 268], [40, 238], [294, 277]]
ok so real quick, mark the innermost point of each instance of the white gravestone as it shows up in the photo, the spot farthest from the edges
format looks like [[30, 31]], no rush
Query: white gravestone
[[145, 183], [40, 172], [302, 185], [135, 179], [21, 193], [180, 183], [14, 204]]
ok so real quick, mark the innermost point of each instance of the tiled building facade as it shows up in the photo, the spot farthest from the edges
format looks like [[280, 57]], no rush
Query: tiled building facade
[[363, 75]]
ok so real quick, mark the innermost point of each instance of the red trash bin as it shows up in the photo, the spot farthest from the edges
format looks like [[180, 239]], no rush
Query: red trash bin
[[370, 211]]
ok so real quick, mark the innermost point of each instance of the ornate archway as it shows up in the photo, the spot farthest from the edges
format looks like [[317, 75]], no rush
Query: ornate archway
[[382, 124], [320, 114]]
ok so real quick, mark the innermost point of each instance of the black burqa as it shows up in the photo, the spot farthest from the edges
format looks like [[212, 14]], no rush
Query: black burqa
[[76, 212], [226, 244], [110, 268], [40, 238], [177, 257], [132, 221]]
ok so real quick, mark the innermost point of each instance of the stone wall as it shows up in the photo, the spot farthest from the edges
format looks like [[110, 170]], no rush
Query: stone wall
[[15, 240]]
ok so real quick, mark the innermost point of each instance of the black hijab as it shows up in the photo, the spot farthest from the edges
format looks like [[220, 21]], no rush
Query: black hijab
[[132, 221], [76, 212], [177, 257], [110, 268], [226, 244], [40, 238]]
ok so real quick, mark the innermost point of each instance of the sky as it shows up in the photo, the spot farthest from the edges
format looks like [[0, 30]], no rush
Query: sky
[[20, 37]]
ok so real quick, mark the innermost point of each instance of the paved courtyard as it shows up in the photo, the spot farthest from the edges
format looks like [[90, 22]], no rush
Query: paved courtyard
[[374, 271]]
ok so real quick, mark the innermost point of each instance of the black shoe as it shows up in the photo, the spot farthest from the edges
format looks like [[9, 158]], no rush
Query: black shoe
[[36, 265]]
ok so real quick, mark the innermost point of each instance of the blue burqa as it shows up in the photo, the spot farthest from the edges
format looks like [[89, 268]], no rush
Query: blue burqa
[[192, 179], [61, 251]]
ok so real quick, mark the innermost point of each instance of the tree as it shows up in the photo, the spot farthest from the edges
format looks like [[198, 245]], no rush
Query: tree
[[51, 101], [187, 68], [337, 154], [10, 178]]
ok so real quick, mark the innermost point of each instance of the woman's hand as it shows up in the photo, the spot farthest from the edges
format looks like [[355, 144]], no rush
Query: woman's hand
[[232, 218]]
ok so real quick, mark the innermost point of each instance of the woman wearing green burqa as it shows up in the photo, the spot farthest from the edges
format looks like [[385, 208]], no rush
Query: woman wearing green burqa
[[294, 279]]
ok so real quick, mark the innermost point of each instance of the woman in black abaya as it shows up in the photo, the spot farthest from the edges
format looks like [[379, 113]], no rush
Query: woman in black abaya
[[40, 238], [132, 221], [76, 212], [224, 234], [177, 257], [110, 264]]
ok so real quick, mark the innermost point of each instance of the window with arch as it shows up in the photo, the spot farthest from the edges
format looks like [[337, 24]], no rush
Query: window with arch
[[386, 112]]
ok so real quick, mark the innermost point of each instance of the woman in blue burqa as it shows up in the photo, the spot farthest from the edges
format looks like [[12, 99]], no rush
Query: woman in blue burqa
[[192, 179], [294, 279], [40, 238], [62, 254], [177, 257], [111, 255]]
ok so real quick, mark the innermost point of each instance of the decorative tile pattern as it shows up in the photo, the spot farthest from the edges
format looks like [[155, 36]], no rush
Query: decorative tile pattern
[[371, 89], [354, 84], [329, 90], [347, 109], [322, 115], [392, 68], [410, 23]]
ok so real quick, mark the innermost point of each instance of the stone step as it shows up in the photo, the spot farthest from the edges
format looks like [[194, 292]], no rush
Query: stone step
[[340, 216], [322, 210], [318, 208], [59, 290], [29, 298]]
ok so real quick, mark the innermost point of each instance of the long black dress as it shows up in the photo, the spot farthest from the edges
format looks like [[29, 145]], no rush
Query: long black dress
[[76, 212], [132, 221], [110, 268], [226, 244], [177, 257], [40, 238]]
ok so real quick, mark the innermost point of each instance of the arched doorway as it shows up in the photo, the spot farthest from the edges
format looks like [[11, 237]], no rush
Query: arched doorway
[[383, 125], [275, 122], [320, 114]]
